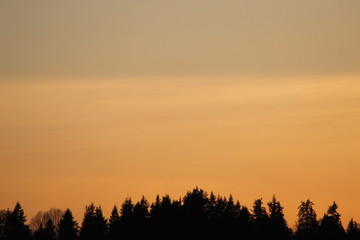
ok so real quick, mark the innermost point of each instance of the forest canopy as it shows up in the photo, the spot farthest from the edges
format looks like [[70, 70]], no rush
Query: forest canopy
[[196, 215]]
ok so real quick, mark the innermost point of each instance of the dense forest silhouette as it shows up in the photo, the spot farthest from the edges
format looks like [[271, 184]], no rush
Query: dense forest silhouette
[[197, 215]]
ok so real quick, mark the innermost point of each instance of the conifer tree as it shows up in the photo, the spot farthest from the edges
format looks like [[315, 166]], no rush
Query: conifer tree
[[45, 233], [307, 225], [278, 228], [94, 226], [331, 227], [127, 218], [4, 214], [353, 230], [15, 227], [260, 219], [114, 225], [68, 227]]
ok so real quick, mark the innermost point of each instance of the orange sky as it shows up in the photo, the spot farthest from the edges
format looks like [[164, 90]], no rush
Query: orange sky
[[67, 143], [105, 100]]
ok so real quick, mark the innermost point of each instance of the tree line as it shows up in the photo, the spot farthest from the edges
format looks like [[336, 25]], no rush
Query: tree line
[[197, 215]]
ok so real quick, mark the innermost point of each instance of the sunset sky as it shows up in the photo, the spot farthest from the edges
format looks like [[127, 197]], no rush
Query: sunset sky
[[103, 100]]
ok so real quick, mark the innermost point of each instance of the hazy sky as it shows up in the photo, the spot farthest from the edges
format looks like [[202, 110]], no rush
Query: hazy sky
[[102, 100]]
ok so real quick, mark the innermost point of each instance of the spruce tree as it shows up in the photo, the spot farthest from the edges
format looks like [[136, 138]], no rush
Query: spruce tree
[[307, 225], [278, 228], [94, 226], [260, 219], [68, 227], [127, 218], [114, 225], [15, 227], [353, 230], [331, 227]]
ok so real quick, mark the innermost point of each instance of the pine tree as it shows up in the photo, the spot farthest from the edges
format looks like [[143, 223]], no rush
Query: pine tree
[[141, 217], [194, 211], [331, 227], [127, 218], [15, 227], [68, 227], [45, 233], [94, 226], [260, 219], [114, 225], [353, 230], [278, 228], [4, 214], [307, 225]]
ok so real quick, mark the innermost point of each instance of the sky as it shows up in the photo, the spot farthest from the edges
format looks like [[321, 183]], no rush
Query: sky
[[100, 101]]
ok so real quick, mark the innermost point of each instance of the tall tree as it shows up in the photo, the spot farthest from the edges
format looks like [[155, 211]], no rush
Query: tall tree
[[353, 230], [141, 218], [194, 210], [127, 218], [114, 225], [15, 227], [245, 223], [331, 227], [68, 227], [4, 214], [164, 217], [260, 219], [307, 225], [278, 228], [195, 204], [94, 226], [45, 233]]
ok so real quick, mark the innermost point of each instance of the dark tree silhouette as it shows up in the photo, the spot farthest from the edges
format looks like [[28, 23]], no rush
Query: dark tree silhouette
[[194, 210], [353, 230], [195, 216], [3, 216], [45, 233], [307, 225], [15, 227], [94, 226], [245, 223], [260, 220], [278, 228], [68, 227], [114, 224], [127, 218], [141, 218], [164, 217], [330, 226]]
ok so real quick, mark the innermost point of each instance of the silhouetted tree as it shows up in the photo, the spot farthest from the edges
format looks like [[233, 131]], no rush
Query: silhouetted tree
[[94, 226], [47, 232], [114, 225], [195, 216], [141, 218], [278, 228], [68, 227], [164, 217], [15, 227], [331, 227], [127, 218], [307, 225], [245, 223], [3, 216], [194, 210], [260, 219], [353, 230]]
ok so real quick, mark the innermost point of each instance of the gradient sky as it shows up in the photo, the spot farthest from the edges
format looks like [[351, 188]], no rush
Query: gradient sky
[[105, 100]]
